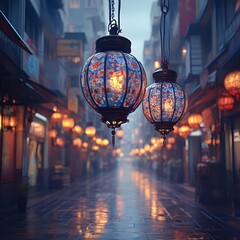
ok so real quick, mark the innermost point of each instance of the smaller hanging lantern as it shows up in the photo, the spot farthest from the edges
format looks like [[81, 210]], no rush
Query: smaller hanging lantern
[[59, 141], [194, 120], [184, 131], [67, 123], [53, 133], [232, 83], [225, 102], [165, 101]]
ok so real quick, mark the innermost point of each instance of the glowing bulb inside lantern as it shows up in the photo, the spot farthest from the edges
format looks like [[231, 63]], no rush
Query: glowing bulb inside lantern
[[168, 106], [116, 82]]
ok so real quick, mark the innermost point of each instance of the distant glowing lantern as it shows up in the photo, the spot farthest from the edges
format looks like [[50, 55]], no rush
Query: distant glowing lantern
[[59, 141], [95, 147], [67, 123], [90, 130], [184, 131], [56, 117], [232, 83], [77, 142], [77, 129], [171, 140], [85, 145], [225, 102], [53, 133], [105, 142], [120, 133], [194, 120]]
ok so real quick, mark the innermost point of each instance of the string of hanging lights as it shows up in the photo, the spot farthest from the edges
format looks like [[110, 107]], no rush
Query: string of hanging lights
[[113, 81], [165, 101]]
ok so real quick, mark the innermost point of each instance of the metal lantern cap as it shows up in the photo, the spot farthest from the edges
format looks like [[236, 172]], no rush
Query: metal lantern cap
[[113, 43], [166, 75]]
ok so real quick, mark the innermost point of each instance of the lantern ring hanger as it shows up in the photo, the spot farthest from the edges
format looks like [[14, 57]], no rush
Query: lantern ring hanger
[[114, 25]]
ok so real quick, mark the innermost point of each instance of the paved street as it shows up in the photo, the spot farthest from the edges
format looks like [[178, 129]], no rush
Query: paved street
[[125, 204]]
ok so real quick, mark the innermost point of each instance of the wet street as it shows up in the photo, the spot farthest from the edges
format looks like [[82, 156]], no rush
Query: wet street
[[125, 204]]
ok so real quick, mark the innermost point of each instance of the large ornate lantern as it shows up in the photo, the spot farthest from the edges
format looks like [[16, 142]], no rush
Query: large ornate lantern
[[225, 102], [165, 101], [194, 120], [113, 81], [232, 83]]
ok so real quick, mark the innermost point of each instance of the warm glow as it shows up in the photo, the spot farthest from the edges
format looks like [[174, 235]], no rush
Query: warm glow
[[120, 133], [225, 102], [68, 123], [53, 133], [168, 105], [171, 140], [232, 83], [59, 141], [105, 142], [194, 120], [9, 121], [90, 131], [95, 148], [184, 131], [77, 129], [157, 65], [153, 140], [116, 81], [56, 116], [85, 145], [77, 142], [184, 51], [98, 141]]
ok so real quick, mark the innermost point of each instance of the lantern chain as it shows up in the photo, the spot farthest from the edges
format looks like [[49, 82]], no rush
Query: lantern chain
[[164, 6], [114, 26]]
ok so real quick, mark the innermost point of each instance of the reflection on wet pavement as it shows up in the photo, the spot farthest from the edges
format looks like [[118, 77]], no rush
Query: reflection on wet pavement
[[125, 204]]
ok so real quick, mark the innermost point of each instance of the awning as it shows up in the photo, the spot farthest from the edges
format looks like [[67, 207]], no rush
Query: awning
[[24, 92], [7, 28]]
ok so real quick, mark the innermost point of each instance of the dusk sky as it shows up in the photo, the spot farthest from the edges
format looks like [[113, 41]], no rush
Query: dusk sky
[[135, 22]]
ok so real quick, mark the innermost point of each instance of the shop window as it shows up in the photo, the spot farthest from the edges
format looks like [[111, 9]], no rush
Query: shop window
[[74, 4]]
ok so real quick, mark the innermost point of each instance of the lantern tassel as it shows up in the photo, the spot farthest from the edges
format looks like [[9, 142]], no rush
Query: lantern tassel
[[113, 137], [164, 140]]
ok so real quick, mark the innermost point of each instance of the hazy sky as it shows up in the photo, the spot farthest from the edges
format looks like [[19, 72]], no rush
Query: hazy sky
[[135, 22]]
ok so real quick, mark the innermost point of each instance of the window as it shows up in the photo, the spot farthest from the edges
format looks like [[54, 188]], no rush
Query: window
[[74, 3]]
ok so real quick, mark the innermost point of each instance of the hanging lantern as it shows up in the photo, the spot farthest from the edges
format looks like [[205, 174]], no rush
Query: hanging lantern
[[184, 131], [68, 123], [165, 101], [232, 83], [194, 120], [59, 141], [113, 81], [90, 130], [225, 102]]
